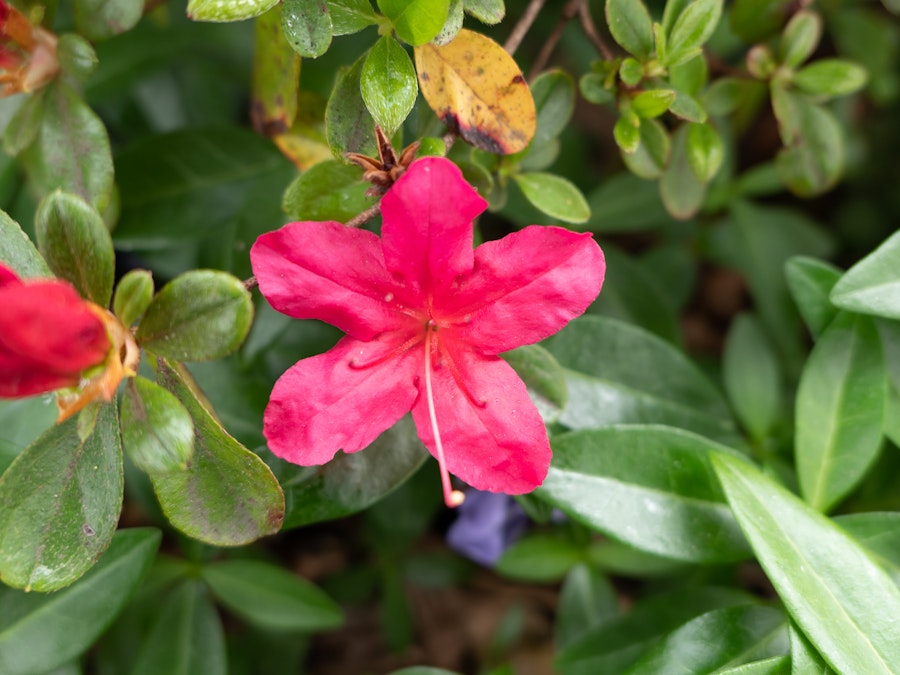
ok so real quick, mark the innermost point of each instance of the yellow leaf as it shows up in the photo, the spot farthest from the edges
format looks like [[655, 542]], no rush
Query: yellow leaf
[[475, 87], [304, 143]]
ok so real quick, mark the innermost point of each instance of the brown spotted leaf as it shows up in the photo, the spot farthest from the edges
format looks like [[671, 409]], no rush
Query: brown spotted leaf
[[475, 87]]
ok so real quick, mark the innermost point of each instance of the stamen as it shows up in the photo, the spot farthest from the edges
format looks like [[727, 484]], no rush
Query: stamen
[[452, 498], [405, 347]]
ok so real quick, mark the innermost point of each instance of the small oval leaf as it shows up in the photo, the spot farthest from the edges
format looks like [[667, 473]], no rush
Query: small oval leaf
[[388, 84], [157, 431], [554, 195], [227, 10]]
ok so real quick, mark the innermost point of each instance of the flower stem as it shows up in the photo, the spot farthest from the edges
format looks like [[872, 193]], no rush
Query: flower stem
[[452, 498]]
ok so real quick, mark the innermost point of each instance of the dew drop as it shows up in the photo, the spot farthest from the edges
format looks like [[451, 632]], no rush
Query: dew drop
[[389, 297]]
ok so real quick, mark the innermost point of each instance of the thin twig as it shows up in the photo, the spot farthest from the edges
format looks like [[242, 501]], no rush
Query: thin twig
[[449, 139], [590, 29], [365, 216], [569, 12], [521, 28]]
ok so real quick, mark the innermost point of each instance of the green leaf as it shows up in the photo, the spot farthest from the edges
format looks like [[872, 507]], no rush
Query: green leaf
[[554, 100], [705, 151], [650, 157], [157, 431], [879, 534], [271, 597], [652, 102], [328, 190], [614, 645], [831, 77], [804, 657], [718, 639], [490, 12], [752, 377], [539, 558], [72, 619], [693, 27], [76, 244], [101, 19], [810, 282], [812, 160], [133, 295], [619, 373], [630, 25], [227, 496], [631, 71], [72, 150], [351, 16], [587, 600], [307, 26], [626, 203], [276, 76], [627, 133], [543, 376], [682, 192], [840, 404], [77, 57], [800, 38], [186, 638], [554, 195], [350, 482], [826, 581], [198, 316], [60, 501], [756, 20], [17, 251], [687, 108], [872, 286], [651, 487], [25, 124], [453, 24], [348, 124], [227, 10], [689, 77], [388, 84], [775, 665], [416, 21]]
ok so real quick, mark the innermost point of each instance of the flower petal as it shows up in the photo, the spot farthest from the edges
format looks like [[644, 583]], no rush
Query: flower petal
[[7, 276], [525, 287], [493, 436], [323, 404], [326, 271], [427, 225]]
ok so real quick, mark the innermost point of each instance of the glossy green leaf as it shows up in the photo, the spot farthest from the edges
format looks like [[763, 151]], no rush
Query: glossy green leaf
[[351, 16], [72, 151], [716, 640], [687, 108], [627, 133], [25, 124], [73, 471], [554, 195], [614, 645], [350, 482], [804, 657], [186, 638], [133, 295], [619, 373], [650, 157], [388, 84], [826, 581], [586, 601], [101, 19], [840, 404], [831, 77], [198, 316], [41, 632], [227, 496], [271, 597], [416, 21], [872, 286], [348, 124], [487, 11], [755, 20], [682, 192], [17, 251], [227, 10], [630, 25], [307, 26], [810, 282], [539, 558], [157, 431], [543, 376], [752, 376], [705, 151], [649, 486], [76, 244], [328, 190], [652, 102], [691, 30], [800, 38], [879, 534]]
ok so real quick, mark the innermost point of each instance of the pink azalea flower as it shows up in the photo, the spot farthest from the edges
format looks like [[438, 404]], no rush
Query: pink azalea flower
[[425, 317]]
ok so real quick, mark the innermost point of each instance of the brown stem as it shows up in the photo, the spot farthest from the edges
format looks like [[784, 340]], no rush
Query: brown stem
[[570, 10], [251, 283], [590, 29], [521, 28], [365, 216]]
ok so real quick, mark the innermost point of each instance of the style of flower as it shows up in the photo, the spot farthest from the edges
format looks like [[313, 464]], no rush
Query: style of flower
[[51, 339], [426, 317], [27, 53]]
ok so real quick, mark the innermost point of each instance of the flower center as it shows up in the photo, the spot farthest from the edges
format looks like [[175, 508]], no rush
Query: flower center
[[452, 498]]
